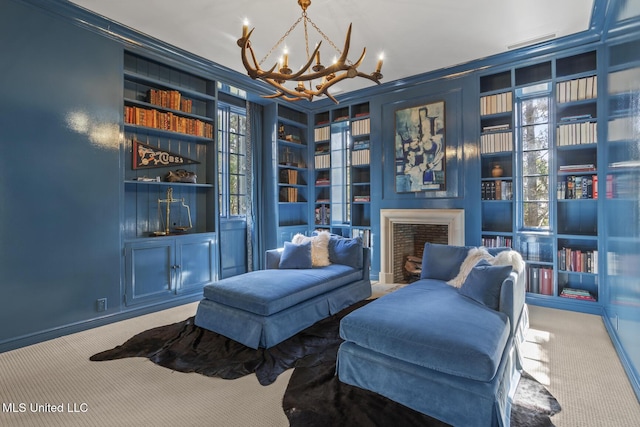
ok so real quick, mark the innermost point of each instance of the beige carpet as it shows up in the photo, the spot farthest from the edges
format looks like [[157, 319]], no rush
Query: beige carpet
[[568, 352]]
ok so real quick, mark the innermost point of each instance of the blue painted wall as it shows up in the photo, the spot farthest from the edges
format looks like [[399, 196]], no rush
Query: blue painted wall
[[59, 172]]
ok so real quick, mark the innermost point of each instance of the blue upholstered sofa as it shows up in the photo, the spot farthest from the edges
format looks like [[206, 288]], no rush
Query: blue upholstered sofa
[[449, 352], [262, 308]]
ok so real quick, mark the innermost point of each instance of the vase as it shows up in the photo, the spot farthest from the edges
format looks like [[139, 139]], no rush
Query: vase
[[496, 172]]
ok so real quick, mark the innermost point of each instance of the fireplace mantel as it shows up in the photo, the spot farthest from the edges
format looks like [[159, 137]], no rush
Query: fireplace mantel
[[452, 218]]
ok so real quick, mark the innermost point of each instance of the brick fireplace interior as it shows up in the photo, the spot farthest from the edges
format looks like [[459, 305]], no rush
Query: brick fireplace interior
[[409, 239]]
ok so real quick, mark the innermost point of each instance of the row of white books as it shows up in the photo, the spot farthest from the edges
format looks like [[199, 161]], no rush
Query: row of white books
[[496, 142], [322, 134], [323, 161], [577, 89], [577, 133], [361, 127], [360, 157], [494, 104]]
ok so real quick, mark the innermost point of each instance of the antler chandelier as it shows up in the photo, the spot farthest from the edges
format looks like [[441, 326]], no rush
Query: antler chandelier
[[279, 74]]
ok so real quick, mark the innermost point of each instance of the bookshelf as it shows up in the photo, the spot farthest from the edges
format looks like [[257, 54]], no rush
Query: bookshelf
[[342, 175], [539, 161], [168, 119], [292, 156], [496, 159], [621, 186], [576, 91]]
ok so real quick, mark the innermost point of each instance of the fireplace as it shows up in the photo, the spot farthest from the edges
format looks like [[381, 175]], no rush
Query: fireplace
[[396, 221]]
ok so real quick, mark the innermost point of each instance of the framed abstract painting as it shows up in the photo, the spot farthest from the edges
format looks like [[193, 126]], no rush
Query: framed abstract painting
[[420, 148]]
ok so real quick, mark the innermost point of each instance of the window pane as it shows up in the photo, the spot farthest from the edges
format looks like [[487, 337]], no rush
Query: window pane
[[233, 184], [233, 164], [535, 111], [535, 137], [536, 214], [535, 188], [535, 162]]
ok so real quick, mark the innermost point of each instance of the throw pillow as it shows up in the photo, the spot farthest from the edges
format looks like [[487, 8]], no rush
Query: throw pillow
[[510, 257], [296, 256], [346, 251], [442, 262], [484, 282], [474, 256], [319, 247]]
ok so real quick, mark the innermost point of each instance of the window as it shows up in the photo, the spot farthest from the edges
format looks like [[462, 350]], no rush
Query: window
[[340, 178], [533, 155], [232, 160]]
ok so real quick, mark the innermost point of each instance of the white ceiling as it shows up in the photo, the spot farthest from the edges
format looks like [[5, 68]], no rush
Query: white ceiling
[[415, 36]]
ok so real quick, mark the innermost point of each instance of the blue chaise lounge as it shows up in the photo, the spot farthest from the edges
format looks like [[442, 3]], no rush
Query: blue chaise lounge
[[449, 352], [305, 282]]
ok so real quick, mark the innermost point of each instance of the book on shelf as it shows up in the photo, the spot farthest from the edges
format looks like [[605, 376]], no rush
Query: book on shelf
[[364, 234], [360, 157], [323, 181], [495, 104], [363, 198], [578, 260], [166, 120], [361, 127], [539, 280], [322, 133], [341, 118], [496, 242], [322, 161], [289, 194], [580, 294], [577, 133], [585, 167], [293, 138], [169, 99], [496, 190], [578, 187], [577, 89], [496, 142], [289, 176]]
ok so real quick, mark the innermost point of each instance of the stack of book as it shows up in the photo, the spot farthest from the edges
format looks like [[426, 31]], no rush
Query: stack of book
[[580, 294]]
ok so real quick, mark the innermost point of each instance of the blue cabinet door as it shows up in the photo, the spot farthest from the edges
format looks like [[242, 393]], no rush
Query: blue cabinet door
[[195, 262], [149, 271]]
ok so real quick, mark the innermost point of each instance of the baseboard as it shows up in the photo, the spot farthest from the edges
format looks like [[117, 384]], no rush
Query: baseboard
[[57, 332], [632, 374]]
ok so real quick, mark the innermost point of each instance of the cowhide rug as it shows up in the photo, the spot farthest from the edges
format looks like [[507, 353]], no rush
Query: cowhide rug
[[314, 396]]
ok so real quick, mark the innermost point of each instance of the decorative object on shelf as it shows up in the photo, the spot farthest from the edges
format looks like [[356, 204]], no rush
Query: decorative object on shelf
[[181, 175], [164, 215], [420, 148], [341, 69], [146, 156], [497, 171]]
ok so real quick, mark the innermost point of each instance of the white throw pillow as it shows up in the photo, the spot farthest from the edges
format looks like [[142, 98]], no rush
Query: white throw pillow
[[474, 256], [319, 247]]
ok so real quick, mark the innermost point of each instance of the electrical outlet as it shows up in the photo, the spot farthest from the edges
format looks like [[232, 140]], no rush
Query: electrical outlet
[[101, 304]]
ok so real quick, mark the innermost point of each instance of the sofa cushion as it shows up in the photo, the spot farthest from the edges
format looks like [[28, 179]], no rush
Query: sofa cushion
[[430, 324], [442, 262], [319, 247], [484, 282], [265, 292], [346, 251], [296, 255]]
